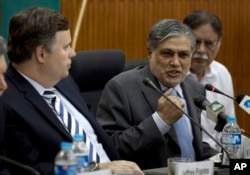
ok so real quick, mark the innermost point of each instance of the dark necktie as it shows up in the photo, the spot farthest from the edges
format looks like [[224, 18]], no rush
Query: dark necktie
[[72, 125]]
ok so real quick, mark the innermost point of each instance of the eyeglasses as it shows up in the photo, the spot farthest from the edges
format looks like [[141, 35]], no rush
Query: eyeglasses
[[207, 44]]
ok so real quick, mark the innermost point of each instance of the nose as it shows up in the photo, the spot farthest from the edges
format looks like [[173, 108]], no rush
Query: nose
[[201, 47], [175, 61], [72, 53]]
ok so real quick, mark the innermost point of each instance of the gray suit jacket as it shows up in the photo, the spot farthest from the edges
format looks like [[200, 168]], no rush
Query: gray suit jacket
[[125, 112]]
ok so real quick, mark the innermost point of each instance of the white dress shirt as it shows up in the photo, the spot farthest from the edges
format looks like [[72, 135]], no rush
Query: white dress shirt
[[217, 75], [77, 115]]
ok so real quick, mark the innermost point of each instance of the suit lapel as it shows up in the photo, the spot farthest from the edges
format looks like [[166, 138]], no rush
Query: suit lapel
[[189, 91], [150, 94], [77, 101], [73, 97], [152, 97], [31, 95]]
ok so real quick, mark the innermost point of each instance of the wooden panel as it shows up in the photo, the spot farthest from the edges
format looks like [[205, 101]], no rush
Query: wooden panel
[[124, 24]]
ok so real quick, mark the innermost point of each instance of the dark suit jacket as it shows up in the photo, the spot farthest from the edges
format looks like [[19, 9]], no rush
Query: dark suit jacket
[[3, 170], [33, 132], [125, 111]]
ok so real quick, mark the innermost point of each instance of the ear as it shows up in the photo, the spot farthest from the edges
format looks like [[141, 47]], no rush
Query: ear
[[40, 53], [219, 42], [149, 52]]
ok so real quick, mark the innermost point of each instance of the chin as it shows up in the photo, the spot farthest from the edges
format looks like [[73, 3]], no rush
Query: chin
[[65, 74]]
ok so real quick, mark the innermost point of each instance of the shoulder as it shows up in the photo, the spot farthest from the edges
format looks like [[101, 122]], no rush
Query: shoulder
[[219, 67], [191, 84], [128, 76]]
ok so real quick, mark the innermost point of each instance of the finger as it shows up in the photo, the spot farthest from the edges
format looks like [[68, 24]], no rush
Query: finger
[[168, 92]]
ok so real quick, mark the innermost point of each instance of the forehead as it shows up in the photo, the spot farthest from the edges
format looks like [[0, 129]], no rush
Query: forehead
[[63, 37], [176, 43], [205, 31]]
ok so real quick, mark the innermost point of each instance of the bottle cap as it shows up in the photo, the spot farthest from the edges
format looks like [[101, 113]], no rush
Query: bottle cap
[[79, 137], [66, 145], [231, 119]]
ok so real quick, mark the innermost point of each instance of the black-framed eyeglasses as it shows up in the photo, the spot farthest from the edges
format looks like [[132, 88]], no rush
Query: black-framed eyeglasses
[[208, 44]]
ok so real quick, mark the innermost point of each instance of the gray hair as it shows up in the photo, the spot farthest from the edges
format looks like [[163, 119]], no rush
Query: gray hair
[[167, 28], [3, 47]]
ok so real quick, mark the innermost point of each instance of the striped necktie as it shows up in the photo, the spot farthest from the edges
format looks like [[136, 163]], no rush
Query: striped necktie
[[70, 123], [183, 134]]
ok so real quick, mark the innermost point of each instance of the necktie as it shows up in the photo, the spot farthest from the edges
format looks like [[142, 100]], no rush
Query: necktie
[[69, 122], [183, 135]]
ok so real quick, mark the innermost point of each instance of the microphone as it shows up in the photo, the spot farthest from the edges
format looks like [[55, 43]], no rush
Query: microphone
[[147, 81], [15, 163], [202, 103], [210, 87], [244, 102], [215, 111]]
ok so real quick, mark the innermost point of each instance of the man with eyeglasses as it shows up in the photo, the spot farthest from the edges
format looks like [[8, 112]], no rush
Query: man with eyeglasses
[[207, 28]]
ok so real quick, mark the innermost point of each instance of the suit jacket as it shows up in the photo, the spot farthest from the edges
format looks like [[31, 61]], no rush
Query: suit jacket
[[33, 132], [125, 112]]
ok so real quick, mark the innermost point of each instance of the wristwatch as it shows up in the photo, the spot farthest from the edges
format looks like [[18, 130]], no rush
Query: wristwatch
[[93, 166]]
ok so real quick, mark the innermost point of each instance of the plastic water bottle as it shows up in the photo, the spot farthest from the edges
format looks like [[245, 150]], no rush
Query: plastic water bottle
[[231, 140], [65, 161], [81, 152]]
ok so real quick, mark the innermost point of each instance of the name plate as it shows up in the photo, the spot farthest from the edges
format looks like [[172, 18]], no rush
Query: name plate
[[98, 172], [195, 168]]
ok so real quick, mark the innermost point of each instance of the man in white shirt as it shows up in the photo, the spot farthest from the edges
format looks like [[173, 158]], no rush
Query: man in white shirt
[[207, 28]]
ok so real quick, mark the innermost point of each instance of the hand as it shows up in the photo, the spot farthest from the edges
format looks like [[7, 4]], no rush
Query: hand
[[121, 165], [167, 111]]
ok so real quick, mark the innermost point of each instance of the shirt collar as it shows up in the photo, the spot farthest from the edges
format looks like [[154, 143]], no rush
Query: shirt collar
[[177, 88], [40, 89]]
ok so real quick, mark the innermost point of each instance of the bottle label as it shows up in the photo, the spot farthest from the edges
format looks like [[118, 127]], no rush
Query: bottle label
[[65, 170], [231, 139], [83, 161]]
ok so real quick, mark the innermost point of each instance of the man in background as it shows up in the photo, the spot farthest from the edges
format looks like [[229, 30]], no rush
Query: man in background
[[3, 66], [3, 87], [205, 69], [145, 127]]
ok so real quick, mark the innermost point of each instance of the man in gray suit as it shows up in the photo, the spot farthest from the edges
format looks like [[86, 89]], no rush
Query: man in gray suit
[[144, 125]]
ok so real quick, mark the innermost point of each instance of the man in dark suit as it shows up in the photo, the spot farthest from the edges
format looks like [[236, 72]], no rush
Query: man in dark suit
[[3, 87], [142, 123], [40, 57]]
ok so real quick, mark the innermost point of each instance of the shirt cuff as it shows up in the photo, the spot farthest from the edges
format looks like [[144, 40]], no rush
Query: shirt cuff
[[162, 126]]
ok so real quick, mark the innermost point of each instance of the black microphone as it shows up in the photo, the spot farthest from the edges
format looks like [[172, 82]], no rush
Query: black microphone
[[147, 81], [242, 99], [212, 88], [202, 103], [215, 111], [20, 165]]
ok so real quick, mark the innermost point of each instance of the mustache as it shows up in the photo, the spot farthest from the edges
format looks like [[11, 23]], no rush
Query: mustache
[[201, 56]]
